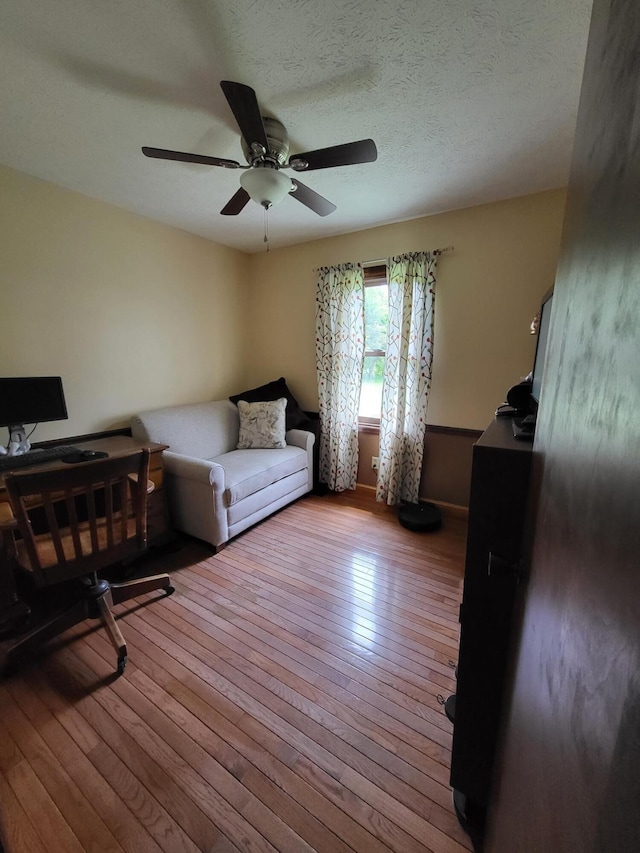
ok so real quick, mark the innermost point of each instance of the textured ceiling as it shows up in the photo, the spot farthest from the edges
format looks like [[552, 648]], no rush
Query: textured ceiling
[[468, 101]]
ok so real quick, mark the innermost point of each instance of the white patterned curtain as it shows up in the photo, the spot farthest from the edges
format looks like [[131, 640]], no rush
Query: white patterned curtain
[[339, 360], [407, 375]]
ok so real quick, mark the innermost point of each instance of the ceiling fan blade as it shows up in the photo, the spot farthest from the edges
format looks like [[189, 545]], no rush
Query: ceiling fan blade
[[349, 154], [183, 157], [244, 105], [311, 199], [236, 203]]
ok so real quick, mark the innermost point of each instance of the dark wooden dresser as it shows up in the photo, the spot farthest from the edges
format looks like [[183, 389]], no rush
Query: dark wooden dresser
[[497, 513]]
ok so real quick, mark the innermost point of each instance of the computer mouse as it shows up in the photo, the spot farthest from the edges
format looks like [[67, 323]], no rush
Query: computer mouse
[[84, 456], [93, 454]]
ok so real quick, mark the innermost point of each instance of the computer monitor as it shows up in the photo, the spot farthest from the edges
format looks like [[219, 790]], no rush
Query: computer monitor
[[541, 349], [29, 400]]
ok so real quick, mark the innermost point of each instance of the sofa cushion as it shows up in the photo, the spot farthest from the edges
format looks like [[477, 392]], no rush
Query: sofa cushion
[[201, 430], [262, 425], [271, 498], [272, 391], [248, 472]]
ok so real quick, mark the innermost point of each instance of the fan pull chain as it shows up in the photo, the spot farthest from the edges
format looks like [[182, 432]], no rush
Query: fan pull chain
[[266, 227]]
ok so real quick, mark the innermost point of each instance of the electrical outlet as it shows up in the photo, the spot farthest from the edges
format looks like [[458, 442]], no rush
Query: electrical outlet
[[374, 463]]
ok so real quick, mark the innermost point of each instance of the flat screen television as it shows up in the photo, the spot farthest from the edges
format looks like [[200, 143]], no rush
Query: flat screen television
[[541, 350], [524, 428], [29, 400]]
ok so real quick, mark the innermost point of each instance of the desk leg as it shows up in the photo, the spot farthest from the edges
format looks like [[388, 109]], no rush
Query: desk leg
[[13, 611]]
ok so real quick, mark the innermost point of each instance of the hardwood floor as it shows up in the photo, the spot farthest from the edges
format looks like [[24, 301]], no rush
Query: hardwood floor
[[285, 698]]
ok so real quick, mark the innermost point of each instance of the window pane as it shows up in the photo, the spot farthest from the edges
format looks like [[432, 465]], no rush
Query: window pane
[[371, 394], [376, 314]]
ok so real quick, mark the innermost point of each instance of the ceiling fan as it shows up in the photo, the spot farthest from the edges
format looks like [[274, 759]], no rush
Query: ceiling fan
[[265, 144]]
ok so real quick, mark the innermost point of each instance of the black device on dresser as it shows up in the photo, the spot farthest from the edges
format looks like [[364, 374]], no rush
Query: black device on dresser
[[524, 427], [497, 512]]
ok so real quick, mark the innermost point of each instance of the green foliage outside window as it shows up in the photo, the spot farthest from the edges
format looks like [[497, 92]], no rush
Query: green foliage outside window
[[376, 314]]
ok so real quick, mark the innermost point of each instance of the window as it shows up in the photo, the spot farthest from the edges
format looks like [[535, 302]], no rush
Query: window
[[376, 313]]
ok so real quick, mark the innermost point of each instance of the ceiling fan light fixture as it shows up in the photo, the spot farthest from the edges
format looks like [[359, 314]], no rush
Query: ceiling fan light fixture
[[266, 152], [265, 185]]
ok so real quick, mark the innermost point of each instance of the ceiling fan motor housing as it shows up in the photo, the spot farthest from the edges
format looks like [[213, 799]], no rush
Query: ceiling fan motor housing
[[265, 144], [278, 140]]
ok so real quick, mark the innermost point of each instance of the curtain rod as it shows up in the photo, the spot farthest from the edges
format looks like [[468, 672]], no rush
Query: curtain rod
[[380, 261], [384, 260]]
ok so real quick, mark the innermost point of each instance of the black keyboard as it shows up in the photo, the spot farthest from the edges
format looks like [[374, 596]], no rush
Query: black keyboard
[[36, 457]]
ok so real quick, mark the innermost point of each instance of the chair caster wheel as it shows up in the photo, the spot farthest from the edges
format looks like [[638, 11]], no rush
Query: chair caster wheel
[[169, 590], [122, 662]]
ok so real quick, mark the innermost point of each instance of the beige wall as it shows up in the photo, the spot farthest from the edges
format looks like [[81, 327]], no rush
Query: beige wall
[[132, 314], [488, 290]]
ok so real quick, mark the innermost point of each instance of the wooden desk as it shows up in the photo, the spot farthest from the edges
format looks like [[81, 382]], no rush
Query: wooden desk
[[12, 610]]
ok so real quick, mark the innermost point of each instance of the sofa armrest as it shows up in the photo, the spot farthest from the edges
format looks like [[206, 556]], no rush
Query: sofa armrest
[[300, 438], [195, 489], [190, 468], [305, 440]]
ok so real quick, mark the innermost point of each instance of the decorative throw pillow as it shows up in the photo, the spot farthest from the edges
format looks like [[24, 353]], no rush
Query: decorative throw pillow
[[262, 424], [273, 391]]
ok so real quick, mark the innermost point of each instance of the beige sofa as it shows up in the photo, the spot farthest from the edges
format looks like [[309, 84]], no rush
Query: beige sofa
[[215, 491]]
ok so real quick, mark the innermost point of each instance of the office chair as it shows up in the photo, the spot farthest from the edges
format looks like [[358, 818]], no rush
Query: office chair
[[95, 515]]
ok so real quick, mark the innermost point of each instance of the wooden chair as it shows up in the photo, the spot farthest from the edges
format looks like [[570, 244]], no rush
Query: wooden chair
[[94, 516]]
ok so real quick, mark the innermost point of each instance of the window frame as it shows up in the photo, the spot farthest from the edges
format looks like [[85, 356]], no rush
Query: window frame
[[374, 276]]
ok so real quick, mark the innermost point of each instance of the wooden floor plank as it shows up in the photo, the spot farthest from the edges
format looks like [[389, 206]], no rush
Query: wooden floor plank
[[222, 773], [16, 828], [286, 698], [177, 754], [301, 611], [282, 644], [362, 569], [359, 617], [70, 799], [318, 585], [257, 743], [340, 710], [367, 745], [363, 638], [313, 630]]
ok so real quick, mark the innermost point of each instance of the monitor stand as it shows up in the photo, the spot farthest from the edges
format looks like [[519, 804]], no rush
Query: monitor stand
[[18, 441]]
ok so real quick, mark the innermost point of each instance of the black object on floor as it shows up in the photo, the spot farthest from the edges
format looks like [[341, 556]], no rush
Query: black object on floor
[[450, 708], [420, 517]]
